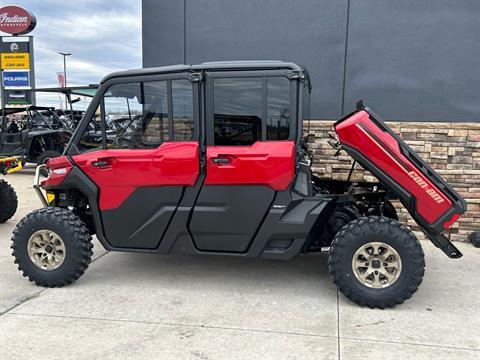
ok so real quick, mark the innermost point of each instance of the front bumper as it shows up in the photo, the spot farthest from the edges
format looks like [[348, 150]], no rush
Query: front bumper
[[36, 185]]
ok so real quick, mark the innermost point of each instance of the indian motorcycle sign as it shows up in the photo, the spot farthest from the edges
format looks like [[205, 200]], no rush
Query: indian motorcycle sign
[[16, 20]]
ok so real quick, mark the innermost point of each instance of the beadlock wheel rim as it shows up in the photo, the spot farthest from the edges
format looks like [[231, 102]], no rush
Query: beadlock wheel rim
[[46, 250], [377, 265]]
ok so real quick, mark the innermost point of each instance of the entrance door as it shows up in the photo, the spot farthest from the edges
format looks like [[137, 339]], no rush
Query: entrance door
[[141, 171], [249, 157]]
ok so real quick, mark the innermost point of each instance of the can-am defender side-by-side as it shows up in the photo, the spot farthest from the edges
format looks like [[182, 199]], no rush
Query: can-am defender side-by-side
[[33, 134], [213, 161], [8, 197]]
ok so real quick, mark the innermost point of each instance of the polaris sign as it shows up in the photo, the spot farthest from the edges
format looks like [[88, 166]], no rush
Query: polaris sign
[[18, 79]]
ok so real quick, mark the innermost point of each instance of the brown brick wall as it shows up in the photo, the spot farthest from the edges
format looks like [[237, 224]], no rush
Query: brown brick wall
[[452, 149]]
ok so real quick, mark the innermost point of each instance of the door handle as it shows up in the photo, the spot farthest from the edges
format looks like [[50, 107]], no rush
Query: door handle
[[100, 163], [221, 160]]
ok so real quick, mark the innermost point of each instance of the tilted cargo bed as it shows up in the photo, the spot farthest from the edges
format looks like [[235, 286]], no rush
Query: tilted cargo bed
[[432, 203]]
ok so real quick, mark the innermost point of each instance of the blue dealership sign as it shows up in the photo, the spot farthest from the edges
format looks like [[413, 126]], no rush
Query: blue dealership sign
[[16, 78]]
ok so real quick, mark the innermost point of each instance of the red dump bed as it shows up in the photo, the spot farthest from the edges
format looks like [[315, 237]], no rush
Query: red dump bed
[[429, 199]]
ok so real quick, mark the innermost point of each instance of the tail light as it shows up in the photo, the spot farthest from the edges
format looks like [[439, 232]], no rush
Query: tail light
[[450, 222]]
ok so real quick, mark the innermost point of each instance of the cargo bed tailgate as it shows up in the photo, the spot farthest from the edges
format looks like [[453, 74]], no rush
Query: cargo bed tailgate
[[432, 203]]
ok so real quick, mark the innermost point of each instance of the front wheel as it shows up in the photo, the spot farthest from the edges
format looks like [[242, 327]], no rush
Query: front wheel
[[376, 262], [52, 247]]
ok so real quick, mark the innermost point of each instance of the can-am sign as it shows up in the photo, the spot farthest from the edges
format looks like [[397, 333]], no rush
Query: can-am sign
[[16, 20]]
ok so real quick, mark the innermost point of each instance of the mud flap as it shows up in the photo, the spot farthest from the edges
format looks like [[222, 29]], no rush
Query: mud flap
[[431, 202]]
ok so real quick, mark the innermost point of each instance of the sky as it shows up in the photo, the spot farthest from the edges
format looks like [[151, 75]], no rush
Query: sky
[[103, 36]]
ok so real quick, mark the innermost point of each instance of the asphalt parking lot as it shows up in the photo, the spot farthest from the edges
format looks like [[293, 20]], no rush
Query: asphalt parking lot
[[146, 306]]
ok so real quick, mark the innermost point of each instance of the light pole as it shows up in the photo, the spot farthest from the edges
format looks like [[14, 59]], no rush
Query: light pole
[[65, 75]]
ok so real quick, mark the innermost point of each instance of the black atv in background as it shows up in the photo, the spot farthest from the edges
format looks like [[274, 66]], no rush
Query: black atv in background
[[34, 134]]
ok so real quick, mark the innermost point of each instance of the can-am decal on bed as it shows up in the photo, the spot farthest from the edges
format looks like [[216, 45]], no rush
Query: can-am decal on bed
[[423, 184]]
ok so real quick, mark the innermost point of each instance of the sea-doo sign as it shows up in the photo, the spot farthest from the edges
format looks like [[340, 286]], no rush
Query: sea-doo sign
[[16, 20]]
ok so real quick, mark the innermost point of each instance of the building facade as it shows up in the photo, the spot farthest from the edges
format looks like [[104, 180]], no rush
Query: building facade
[[415, 63]]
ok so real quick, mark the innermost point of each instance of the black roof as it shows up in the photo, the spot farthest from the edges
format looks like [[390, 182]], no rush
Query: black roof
[[87, 90], [214, 66]]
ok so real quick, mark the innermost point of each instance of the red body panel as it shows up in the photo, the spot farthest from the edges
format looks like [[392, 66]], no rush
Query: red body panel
[[269, 163], [381, 148], [59, 168], [172, 163]]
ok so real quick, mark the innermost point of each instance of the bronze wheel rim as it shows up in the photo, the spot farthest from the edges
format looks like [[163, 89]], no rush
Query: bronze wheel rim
[[376, 265], [46, 250]]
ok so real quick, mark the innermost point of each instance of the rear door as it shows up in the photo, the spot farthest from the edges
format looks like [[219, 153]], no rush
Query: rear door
[[249, 156], [143, 170]]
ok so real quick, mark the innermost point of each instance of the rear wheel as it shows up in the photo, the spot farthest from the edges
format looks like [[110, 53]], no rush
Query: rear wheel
[[8, 201], [376, 262], [52, 247]]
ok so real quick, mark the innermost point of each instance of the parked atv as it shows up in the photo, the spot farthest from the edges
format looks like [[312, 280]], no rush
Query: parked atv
[[214, 162], [34, 134], [74, 95], [8, 197]]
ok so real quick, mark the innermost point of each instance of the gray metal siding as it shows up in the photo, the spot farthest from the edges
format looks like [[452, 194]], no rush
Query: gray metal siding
[[262, 30], [415, 60], [409, 60], [162, 32]]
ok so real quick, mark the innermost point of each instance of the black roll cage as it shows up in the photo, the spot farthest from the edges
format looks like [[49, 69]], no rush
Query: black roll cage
[[37, 110]]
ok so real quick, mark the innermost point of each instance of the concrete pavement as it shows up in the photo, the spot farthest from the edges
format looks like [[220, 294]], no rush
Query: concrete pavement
[[147, 306]]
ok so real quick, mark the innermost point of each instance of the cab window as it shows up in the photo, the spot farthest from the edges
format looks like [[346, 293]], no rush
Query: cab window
[[237, 111], [141, 110], [142, 116], [278, 108], [250, 109], [182, 112]]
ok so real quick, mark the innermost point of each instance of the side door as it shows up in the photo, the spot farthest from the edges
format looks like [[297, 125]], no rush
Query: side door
[[142, 171], [250, 155]]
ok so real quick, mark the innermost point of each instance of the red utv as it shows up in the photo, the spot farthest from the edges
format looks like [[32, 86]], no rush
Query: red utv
[[212, 161]]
